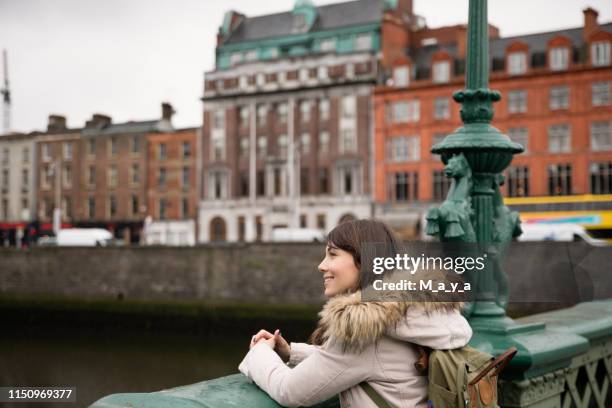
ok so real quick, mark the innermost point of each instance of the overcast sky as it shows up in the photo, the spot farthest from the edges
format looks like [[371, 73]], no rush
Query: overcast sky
[[124, 57]]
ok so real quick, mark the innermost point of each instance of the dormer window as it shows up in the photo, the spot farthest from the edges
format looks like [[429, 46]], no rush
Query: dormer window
[[441, 72], [251, 55], [328, 45], [600, 53], [401, 76], [236, 58], [517, 63], [363, 42], [299, 23], [559, 58]]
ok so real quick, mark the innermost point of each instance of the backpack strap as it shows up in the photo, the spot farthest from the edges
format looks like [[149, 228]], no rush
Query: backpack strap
[[499, 363], [374, 396]]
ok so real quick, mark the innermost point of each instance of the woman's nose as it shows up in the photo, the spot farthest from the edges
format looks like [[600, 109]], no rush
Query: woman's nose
[[322, 266]]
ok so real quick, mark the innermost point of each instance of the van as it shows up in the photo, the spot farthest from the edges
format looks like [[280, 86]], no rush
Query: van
[[557, 232], [87, 237]]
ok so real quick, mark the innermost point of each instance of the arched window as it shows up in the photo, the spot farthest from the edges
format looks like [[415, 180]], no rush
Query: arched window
[[218, 230]]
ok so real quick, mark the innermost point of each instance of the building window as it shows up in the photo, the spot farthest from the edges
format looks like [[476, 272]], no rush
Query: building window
[[112, 176], [91, 147], [281, 111], [260, 79], [601, 178], [305, 111], [163, 208], [25, 204], [324, 109], [348, 106], [405, 111], [262, 115], [5, 178], [25, 155], [600, 54], [517, 101], [323, 181], [276, 181], [282, 145], [67, 207], [243, 112], [67, 176], [219, 119], [401, 76], [161, 151], [161, 177], [112, 206], [403, 148], [323, 143], [305, 143], [559, 97], [559, 58], [25, 178], [244, 147], [185, 177], [186, 150], [135, 145], [520, 136], [5, 209], [363, 42], [559, 139], [323, 72], [261, 183], [91, 176], [135, 173], [441, 185], [441, 72], [404, 186], [321, 221], [112, 142], [601, 136], [235, 58], [303, 221], [518, 181], [91, 207], [218, 145], [217, 187], [46, 153], [517, 63], [303, 74], [184, 208], [348, 141], [251, 55], [600, 93], [262, 146], [304, 181], [134, 205], [328, 44], [441, 108], [560, 179], [67, 150], [243, 184]]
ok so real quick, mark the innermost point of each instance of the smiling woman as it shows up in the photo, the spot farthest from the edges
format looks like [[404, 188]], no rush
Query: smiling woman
[[357, 345]]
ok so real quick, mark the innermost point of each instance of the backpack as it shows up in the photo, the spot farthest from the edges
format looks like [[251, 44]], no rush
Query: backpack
[[458, 378]]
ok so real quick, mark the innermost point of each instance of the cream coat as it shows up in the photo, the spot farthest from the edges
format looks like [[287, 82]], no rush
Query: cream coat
[[365, 341]]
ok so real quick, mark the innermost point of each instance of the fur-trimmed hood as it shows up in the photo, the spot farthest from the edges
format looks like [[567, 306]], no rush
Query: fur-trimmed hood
[[356, 324]]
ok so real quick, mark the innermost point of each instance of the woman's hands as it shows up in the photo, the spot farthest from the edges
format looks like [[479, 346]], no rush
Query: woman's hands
[[275, 341]]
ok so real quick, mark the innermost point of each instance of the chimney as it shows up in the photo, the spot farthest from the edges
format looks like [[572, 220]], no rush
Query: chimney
[[405, 7], [590, 23], [98, 121], [167, 111], [57, 123], [462, 42]]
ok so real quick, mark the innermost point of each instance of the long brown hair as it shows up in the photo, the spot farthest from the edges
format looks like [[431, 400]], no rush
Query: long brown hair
[[364, 240]]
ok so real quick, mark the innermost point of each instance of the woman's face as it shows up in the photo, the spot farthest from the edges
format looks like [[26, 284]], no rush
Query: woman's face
[[340, 274]]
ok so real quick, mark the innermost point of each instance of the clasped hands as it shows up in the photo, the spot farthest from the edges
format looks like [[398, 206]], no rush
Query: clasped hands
[[276, 341]]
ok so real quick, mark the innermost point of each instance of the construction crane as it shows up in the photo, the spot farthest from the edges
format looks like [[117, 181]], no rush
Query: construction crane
[[6, 97]]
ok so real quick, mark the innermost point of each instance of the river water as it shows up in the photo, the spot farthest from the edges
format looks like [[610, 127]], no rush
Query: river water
[[105, 361]]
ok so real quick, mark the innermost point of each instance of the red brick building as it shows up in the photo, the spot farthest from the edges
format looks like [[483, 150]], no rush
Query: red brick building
[[171, 175], [556, 101]]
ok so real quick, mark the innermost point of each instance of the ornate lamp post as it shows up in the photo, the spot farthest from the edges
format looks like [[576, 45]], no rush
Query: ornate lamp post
[[474, 213]]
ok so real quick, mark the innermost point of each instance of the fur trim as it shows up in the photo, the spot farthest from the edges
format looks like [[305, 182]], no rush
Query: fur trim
[[356, 323]]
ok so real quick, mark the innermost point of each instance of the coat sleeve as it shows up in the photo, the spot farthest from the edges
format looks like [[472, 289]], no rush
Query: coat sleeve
[[440, 330], [299, 351], [323, 374]]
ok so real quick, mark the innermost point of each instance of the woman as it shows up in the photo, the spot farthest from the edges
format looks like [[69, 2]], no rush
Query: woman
[[356, 341]]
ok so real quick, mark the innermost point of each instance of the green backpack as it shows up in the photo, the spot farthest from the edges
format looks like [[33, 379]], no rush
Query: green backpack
[[458, 378]]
